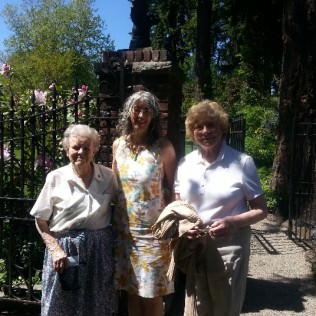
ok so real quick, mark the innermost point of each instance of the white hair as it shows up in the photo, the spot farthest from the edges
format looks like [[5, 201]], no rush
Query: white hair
[[81, 130]]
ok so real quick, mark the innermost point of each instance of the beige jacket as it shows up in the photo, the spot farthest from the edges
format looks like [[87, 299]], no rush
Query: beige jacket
[[207, 286]]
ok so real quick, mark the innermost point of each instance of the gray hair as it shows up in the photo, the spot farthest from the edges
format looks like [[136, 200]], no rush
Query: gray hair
[[81, 130], [125, 127]]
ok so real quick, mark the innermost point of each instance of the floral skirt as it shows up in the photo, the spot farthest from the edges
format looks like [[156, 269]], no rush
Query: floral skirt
[[144, 273], [86, 287]]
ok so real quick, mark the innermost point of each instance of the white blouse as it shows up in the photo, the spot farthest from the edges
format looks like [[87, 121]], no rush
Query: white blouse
[[67, 204], [221, 188]]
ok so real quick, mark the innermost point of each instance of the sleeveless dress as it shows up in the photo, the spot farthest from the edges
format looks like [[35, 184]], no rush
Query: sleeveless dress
[[143, 272]]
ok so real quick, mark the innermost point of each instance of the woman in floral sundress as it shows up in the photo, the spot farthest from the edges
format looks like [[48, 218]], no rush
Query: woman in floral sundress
[[144, 164]]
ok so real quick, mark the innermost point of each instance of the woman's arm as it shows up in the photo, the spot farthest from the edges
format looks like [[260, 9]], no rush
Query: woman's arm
[[58, 254], [257, 212], [169, 160], [229, 224]]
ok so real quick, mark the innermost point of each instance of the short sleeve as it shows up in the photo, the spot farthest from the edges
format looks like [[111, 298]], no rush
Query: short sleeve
[[176, 185], [251, 180], [43, 207]]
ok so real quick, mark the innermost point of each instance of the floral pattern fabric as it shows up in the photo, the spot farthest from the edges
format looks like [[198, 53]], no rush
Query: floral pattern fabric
[[87, 288], [143, 261]]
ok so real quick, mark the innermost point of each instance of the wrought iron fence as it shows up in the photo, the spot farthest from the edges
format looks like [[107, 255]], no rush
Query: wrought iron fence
[[29, 149], [302, 195]]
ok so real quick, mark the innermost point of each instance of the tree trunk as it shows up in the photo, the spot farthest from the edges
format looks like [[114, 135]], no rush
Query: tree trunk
[[297, 92], [141, 24], [203, 47]]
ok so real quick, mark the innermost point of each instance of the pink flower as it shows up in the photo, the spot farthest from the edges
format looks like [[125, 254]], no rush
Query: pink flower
[[40, 96], [6, 70], [71, 102], [5, 153], [82, 92], [47, 163]]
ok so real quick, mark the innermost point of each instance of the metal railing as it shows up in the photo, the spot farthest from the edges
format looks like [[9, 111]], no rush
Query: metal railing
[[302, 195], [29, 149]]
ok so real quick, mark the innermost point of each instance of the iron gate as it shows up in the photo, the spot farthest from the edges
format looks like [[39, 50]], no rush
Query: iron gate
[[29, 149], [302, 195]]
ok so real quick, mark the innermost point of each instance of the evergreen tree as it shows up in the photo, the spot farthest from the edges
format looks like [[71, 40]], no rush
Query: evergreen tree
[[297, 98]]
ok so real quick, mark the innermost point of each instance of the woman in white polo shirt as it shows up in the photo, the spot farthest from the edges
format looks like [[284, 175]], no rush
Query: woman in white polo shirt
[[73, 216], [224, 187]]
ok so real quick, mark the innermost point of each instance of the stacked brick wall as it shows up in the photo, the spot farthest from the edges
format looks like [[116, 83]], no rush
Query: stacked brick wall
[[124, 72]]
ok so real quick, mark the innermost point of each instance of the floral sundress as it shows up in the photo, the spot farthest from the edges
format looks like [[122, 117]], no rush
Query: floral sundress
[[143, 272]]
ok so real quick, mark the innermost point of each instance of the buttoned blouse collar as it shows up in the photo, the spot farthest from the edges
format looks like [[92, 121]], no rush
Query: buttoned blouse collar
[[220, 157]]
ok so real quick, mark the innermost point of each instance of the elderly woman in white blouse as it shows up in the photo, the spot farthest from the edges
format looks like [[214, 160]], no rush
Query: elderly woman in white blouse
[[223, 185], [73, 216]]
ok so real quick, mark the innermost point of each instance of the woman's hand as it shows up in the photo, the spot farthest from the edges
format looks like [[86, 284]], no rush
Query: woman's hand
[[59, 256], [196, 232], [229, 225], [223, 228], [59, 259]]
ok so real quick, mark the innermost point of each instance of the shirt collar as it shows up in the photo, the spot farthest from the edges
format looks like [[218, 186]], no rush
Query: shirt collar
[[219, 158], [70, 175]]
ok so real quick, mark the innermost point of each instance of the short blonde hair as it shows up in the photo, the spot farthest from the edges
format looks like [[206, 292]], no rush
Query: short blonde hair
[[206, 111], [81, 130]]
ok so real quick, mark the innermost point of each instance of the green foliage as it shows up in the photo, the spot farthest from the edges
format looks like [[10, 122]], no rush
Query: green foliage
[[174, 28], [261, 121], [3, 272], [54, 40], [190, 95], [271, 197], [259, 110], [37, 279]]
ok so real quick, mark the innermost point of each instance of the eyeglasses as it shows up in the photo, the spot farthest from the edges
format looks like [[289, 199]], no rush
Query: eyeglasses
[[145, 111], [209, 126]]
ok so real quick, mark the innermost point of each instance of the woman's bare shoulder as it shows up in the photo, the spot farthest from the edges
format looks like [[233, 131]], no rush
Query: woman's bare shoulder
[[165, 143]]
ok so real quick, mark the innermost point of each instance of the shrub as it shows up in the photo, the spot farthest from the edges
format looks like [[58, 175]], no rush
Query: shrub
[[271, 197]]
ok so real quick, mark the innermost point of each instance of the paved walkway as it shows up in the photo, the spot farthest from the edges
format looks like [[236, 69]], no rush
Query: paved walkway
[[280, 279]]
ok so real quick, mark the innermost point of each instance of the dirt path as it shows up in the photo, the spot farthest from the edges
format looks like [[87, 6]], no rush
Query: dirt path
[[280, 279]]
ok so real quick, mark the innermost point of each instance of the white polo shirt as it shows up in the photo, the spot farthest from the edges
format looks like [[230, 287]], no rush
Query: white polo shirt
[[66, 204], [221, 188]]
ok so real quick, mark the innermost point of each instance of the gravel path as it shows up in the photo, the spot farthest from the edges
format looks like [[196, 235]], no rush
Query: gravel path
[[280, 280]]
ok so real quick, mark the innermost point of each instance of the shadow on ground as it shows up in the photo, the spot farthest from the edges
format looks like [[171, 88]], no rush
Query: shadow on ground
[[19, 309], [280, 295]]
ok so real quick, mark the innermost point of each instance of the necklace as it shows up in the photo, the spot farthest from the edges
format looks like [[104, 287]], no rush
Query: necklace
[[135, 148]]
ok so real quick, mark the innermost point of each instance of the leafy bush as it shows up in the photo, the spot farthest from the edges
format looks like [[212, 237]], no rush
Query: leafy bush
[[3, 272], [271, 197]]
